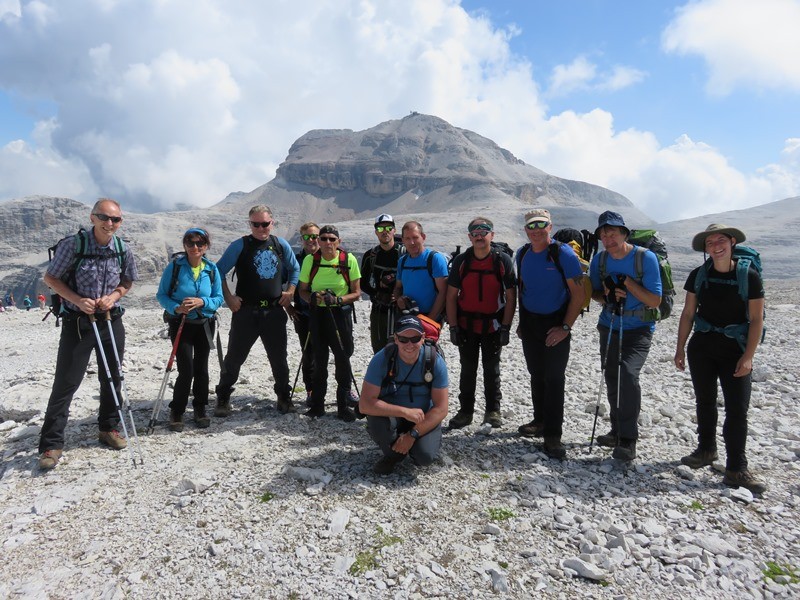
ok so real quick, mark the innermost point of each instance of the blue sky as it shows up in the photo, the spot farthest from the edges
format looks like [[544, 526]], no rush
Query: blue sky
[[687, 108]]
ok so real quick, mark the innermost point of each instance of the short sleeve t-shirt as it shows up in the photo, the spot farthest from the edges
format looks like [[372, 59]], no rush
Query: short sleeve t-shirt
[[543, 289], [328, 276], [399, 392], [417, 282], [720, 304]]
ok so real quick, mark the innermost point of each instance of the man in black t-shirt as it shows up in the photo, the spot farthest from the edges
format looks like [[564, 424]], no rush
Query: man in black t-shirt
[[378, 275]]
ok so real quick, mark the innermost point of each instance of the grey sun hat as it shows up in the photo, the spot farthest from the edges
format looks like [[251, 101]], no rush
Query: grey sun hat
[[612, 219], [699, 241]]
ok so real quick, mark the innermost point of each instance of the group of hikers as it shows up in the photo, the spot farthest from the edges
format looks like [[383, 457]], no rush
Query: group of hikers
[[413, 292]]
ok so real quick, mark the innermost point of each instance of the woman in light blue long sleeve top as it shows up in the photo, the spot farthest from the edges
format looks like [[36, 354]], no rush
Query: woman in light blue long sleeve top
[[191, 286]]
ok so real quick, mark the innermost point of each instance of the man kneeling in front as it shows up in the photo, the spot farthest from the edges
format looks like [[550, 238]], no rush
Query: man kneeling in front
[[405, 398]]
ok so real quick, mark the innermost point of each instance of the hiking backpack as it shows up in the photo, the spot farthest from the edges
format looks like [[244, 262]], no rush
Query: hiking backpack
[[648, 239], [81, 244], [554, 256], [176, 268], [746, 257], [432, 353]]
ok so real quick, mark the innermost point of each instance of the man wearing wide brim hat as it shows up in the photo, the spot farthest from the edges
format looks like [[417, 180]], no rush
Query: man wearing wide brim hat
[[725, 307], [699, 241]]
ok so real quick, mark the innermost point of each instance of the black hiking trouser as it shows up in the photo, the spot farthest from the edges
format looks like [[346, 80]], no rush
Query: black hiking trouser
[[192, 360], [301, 327], [635, 347], [712, 357], [488, 346], [384, 431], [74, 350], [547, 366], [379, 319], [247, 325], [331, 328]]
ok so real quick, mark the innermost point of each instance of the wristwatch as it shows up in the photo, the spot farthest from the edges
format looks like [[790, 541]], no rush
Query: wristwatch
[[414, 434], [566, 327]]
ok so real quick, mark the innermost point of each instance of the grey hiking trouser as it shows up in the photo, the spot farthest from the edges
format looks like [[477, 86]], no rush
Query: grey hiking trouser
[[384, 431]]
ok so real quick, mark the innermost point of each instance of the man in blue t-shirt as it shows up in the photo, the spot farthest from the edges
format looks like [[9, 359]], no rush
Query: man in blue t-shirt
[[421, 274], [404, 397], [625, 295], [550, 299]]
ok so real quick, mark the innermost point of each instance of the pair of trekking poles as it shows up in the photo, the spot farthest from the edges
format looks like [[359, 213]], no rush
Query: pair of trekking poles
[[603, 370], [125, 403], [341, 347], [159, 403]]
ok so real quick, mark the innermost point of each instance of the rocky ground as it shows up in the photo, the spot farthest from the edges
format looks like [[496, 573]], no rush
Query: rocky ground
[[271, 506]]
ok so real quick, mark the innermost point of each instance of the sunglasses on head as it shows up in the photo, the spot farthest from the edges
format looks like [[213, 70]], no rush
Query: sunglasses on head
[[195, 244], [479, 233], [263, 225], [310, 236], [414, 339], [105, 218], [537, 225], [384, 228], [328, 238]]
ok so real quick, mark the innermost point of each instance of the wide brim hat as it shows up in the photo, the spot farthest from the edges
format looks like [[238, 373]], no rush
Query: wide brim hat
[[699, 241], [611, 219]]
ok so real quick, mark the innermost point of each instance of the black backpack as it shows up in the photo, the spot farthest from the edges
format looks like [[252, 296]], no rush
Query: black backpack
[[432, 353]]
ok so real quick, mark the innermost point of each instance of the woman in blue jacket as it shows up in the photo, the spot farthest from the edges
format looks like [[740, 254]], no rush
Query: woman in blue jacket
[[192, 287]]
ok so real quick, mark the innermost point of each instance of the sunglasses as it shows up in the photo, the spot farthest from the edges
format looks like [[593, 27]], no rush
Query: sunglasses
[[263, 225], [414, 339], [328, 239], [479, 233], [195, 244], [310, 236], [384, 228], [537, 225], [106, 218]]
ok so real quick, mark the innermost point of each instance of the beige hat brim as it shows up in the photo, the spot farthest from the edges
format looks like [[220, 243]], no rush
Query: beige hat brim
[[699, 241]]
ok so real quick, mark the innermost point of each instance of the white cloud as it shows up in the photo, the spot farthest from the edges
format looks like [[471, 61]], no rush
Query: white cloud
[[582, 74], [204, 97], [744, 43]]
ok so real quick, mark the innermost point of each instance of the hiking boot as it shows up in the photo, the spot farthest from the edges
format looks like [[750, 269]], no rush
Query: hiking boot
[[112, 439], [315, 411], [175, 421], [609, 440], [553, 448], [309, 402], [745, 479], [49, 459], [223, 408], [493, 418], [532, 429], [285, 405], [200, 418], [345, 414], [462, 419], [386, 465], [700, 458], [625, 450]]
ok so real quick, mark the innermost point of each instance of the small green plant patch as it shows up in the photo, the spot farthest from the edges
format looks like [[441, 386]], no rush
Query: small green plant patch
[[780, 573], [368, 559], [696, 505], [500, 514], [267, 496]]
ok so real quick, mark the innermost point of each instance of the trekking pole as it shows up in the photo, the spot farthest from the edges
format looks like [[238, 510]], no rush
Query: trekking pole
[[300, 366], [619, 360], [341, 347], [126, 403], [157, 405], [101, 350], [602, 377]]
